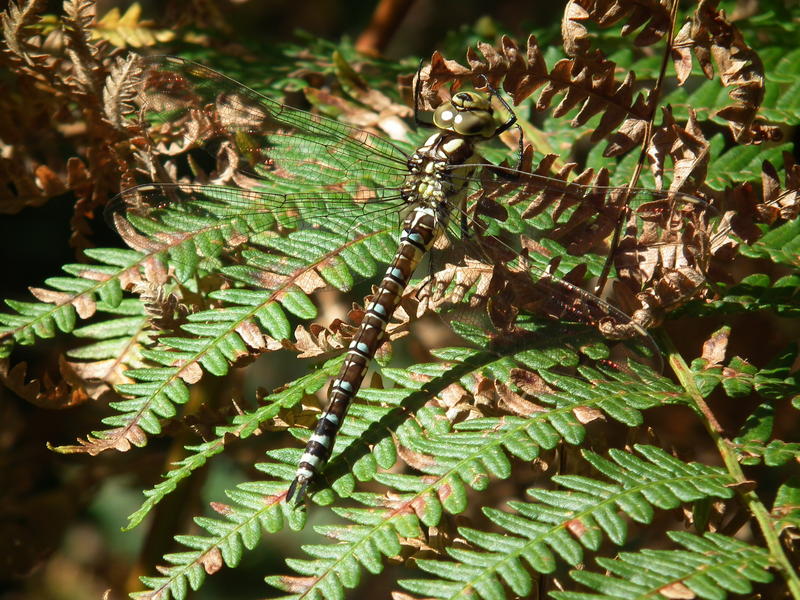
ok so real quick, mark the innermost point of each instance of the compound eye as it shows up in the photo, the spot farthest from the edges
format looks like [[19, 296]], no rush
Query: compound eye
[[444, 115], [474, 123], [464, 100]]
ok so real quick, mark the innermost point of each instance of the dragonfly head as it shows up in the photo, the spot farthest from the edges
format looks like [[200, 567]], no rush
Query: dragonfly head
[[467, 114]]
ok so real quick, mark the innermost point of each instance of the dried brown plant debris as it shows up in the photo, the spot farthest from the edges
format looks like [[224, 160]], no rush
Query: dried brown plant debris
[[780, 204], [685, 146], [652, 15], [710, 36], [60, 77], [120, 439], [65, 392], [594, 207], [663, 264], [746, 206]]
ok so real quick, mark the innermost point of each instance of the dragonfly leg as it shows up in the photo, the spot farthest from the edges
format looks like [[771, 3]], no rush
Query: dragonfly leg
[[508, 124], [465, 234]]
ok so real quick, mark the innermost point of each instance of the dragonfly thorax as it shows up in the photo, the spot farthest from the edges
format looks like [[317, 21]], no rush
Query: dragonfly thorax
[[429, 181]]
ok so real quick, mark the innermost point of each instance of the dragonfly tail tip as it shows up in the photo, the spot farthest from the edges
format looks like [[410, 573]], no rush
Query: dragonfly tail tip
[[297, 491]]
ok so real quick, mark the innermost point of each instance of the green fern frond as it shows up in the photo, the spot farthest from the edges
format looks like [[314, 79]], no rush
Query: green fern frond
[[781, 103], [69, 298], [739, 378], [781, 245], [562, 523], [256, 508], [774, 454], [739, 162], [786, 508], [115, 336], [454, 460], [709, 567], [757, 292], [753, 444], [372, 538], [244, 425], [244, 322]]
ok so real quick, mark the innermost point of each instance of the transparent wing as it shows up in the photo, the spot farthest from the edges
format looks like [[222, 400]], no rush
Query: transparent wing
[[485, 283], [663, 233], [183, 104], [257, 238], [286, 171], [658, 260], [580, 216], [276, 170]]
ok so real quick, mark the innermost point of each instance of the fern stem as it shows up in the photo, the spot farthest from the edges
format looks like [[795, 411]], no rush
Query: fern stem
[[652, 103], [743, 487]]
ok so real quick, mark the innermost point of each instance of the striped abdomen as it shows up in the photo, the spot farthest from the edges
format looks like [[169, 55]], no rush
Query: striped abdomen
[[420, 230]]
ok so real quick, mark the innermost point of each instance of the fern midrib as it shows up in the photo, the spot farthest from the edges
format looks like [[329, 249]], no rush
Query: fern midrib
[[233, 531], [760, 513], [331, 570], [478, 361], [407, 506], [131, 344], [479, 450], [657, 594], [510, 431]]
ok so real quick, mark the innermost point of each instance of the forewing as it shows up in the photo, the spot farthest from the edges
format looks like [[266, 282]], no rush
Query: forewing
[[184, 105], [279, 174]]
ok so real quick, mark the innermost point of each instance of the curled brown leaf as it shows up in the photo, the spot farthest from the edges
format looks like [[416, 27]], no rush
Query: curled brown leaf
[[651, 15], [710, 36]]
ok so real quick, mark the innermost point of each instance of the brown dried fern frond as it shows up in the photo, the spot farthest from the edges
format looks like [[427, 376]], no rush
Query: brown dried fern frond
[[17, 20], [64, 392], [652, 15], [119, 95], [746, 206], [711, 37], [685, 146], [62, 76]]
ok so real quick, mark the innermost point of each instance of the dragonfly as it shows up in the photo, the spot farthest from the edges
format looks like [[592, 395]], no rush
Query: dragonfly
[[279, 169]]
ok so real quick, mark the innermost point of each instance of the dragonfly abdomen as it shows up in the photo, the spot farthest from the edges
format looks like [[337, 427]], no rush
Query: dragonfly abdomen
[[420, 231]]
